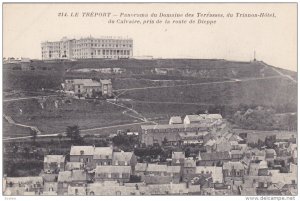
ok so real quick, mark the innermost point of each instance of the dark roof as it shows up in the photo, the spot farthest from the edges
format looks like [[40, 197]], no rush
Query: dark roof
[[215, 156]]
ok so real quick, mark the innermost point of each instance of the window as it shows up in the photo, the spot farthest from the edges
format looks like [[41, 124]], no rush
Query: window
[[76, 191]]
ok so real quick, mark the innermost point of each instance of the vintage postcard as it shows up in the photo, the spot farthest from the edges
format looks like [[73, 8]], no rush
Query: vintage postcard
[[144, 99]]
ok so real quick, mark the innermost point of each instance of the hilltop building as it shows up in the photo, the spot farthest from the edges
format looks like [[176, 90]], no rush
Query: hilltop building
[[87, 48], [88, 88]]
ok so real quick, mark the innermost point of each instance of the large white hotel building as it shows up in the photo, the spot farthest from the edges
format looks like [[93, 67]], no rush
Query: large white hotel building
[[84, 48]]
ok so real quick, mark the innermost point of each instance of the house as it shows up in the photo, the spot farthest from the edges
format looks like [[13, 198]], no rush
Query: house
[[124, 159], [193, 137], [285, 178], [54, 163], [76, 190], [175, 120], [263, 168], [83, 154], [102, 156], [74, 166], [178, 158], [82, 87], [175, 173], [111, 189], [202, 118], [256, 154], [73, 177], [256, 182], [210, 146], [158, 170], [213, 171], [214, 158], [248, 191], [50, 188], [258, 169], [270, 155], [106, 87], [157, 174], [189, 169], [234, 171], [222, 144], [293, 150], [236, 155], [140, 169], [113, 173], [168, 133], [188, 119], [235, 145], [15, 186], [88, 88], [166, 189]]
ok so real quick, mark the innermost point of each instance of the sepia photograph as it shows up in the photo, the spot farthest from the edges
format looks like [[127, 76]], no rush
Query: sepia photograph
[[148, 99]]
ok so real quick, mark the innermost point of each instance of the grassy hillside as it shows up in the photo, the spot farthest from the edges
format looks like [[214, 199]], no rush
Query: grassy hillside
[[155, 103], [259, 92], [85, 114]]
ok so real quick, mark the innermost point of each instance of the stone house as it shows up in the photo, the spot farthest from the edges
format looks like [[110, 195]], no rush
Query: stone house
[[234, 171], [212, 159], [124, 159], [113, 173], [54, 163], [83, 154], [189, 169], [73, 178], [102, 156], [14, 186]]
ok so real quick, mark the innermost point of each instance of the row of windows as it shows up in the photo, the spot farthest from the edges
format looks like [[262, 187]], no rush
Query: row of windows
[[105, 52], [108, 57], [103, 41], [101, 45], [172, 130], [113, 175]]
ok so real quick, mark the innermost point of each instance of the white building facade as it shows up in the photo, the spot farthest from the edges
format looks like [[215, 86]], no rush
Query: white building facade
[[88, 48]]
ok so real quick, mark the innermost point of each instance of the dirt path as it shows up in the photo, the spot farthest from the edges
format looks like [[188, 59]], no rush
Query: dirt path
[[11, 121]]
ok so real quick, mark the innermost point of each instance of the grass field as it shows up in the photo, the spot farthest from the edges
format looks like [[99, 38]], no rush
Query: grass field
[[258, 92], [85, 114], [12, 130]]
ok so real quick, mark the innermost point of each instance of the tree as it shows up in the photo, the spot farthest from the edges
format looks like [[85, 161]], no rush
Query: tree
[[33, 134], [73, 132], [59, 139], [165, 141], [269, 141]]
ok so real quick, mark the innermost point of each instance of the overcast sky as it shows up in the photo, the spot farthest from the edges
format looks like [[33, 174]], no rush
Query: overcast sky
[[273, 39]]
